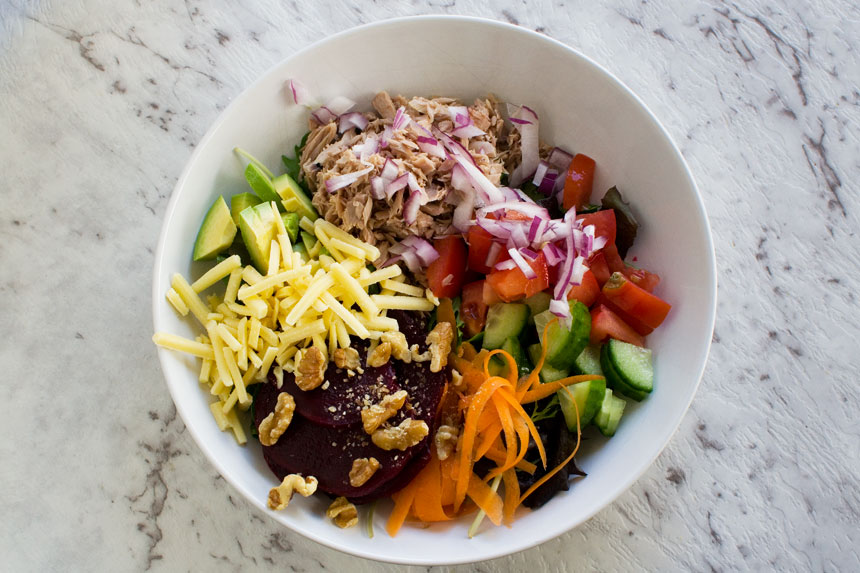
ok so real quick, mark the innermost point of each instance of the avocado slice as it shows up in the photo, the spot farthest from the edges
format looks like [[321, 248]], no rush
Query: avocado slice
[[291, 223], [240, 202], [261, 184], [258, 227], [293, 197], [216, 233]]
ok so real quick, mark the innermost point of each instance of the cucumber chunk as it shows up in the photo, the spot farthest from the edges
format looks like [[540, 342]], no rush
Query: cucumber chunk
[[547, 372], [504, 320], [627, 368], [588, 397], [538, 303], [588, 361], [565, 345], [609, 414]]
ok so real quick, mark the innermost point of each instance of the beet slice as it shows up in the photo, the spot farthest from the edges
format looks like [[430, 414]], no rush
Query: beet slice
[[399, 481], [341, 402]]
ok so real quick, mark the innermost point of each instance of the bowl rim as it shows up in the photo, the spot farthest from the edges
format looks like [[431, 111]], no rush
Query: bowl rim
[[158, 299]]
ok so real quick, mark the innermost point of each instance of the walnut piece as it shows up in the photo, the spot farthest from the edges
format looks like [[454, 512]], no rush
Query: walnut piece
[[276, 423], [406, 435], [439, 340], [418, 356], [279, 497], [374, 416], [310, 369], [347, 358], [362, 470], [342, 513], [456, 379], [446, 441], [380, 355], [399, 347]]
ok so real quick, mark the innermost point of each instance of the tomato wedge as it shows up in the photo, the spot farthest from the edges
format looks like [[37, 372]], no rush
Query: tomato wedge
[[613, 259], [636, 301], [473, 311], [597, 264], [445, 274], [604, 224], [642, 278], [578, 182], [480, 241], [635, 324], [606, 324], [587, 291], [513, 285]]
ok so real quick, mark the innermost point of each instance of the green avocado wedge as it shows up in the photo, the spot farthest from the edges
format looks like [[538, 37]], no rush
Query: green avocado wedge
[[293, 197], [216, 233], [261, 184], [240, 202], [258, 226]]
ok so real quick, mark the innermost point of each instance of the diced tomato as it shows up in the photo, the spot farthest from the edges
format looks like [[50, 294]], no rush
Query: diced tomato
[[445, 274], [642, 278], [578, 182], [606, 324], [480, 242], [597, 264], [604, 224], [513, 285], [636, 301], [473, 311], [490, 297], [635, 324], [586, 292], [613, 259]]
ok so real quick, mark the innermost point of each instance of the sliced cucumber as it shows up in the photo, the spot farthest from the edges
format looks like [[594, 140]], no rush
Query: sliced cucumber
[[588, 397], [538, 303], [547, 372], [609, 414], [504, 320], [513, 347], [565, 345], [627, 368], [588, 361]]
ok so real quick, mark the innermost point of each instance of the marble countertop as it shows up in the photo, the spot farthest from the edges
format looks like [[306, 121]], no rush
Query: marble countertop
[[102, 103]]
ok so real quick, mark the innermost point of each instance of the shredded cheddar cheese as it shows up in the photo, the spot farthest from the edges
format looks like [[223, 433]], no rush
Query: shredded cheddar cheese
[[263, 322]]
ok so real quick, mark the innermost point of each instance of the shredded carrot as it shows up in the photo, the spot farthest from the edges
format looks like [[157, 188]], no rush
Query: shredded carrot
[[498, 456], [550, 388], [557, 468], [486, 499], [402, 502], [512, 495], [427, 504]]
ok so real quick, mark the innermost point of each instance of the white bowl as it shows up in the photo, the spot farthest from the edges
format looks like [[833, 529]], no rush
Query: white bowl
[[583, 108]]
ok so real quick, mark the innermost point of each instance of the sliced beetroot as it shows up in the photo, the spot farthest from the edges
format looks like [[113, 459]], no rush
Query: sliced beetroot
[[340, 403], [398, 482]]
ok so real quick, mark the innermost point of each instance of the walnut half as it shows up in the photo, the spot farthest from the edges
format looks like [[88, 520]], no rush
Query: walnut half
[[374, 416], [439, 340], [406, 435], [342, 513], [362, 470], [347, 358], [310, 370], [446, 441], [279, 497], [276, 423], [380, 355]]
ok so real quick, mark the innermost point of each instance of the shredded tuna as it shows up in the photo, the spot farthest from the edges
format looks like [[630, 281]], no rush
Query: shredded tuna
[[328, 154]]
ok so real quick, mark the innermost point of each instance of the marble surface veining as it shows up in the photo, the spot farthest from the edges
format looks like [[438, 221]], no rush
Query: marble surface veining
[[101, 103]]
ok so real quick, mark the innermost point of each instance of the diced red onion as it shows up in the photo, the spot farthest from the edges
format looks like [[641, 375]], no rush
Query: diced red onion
[[490, 193], [463, 211], [386, 135], [518, 238], [559, 158], [505, 265], [340, 105], [431, 146], [368, 148], [341, 181], [298, 91], [412, 181], [423, 248], [390, 188], [560, 308], [467, 131], [552, 254], [377, 187], [527, 270], [536, 229], [413, 203], [541, 170], [323, 115], [401, 119], [463, 124], [495, 228], [547, 185], [493, 254], [528, 253], [599, 243], [528, 209], [519, 121], [529, 144], [389, 170], [350, 120], [481, 146]]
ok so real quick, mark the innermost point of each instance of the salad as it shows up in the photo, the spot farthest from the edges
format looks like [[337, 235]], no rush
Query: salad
[[425, 306]]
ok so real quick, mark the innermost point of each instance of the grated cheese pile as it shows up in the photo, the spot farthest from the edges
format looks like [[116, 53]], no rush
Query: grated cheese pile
[[263, 321]]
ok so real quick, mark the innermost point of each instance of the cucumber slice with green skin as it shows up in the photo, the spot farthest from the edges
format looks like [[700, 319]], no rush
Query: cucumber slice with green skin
[[547, 372], [588, 361], [538, 303], [609, 414], [293, 197], [565, 345], [240, 202], [588, 397], [504, 320], [291, 223], [627, 368], [216, 233], [261, 184], [513, 347]]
